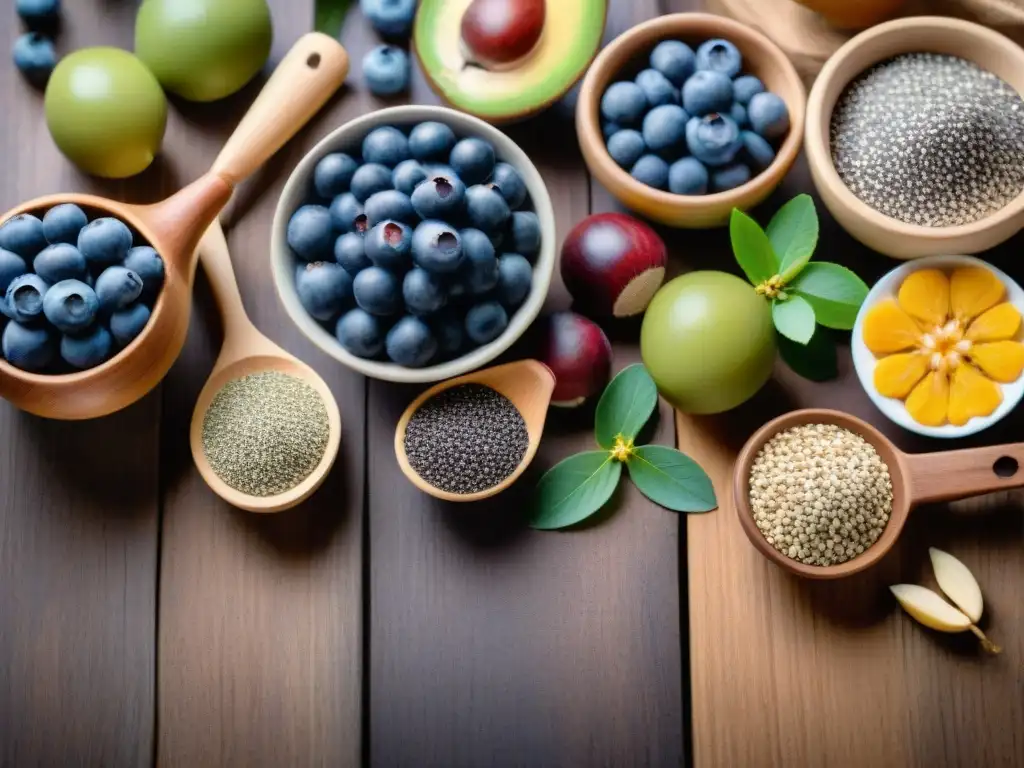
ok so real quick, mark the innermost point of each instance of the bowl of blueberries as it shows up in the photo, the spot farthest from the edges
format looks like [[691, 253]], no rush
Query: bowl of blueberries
[[690, 115], [414, 244]]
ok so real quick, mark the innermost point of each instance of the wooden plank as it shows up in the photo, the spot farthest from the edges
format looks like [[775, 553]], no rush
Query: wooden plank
[[78, 503], [260, 616]]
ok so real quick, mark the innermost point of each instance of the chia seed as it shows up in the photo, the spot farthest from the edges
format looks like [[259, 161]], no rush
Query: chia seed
[[264, 433], [466, 439], [930, 139]]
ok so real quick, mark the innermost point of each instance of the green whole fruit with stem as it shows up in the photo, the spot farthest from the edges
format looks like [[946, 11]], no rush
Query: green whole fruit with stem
[[106, 112], [203, 50], [708, 342]]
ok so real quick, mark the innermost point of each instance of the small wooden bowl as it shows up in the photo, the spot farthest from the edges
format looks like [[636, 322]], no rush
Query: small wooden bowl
[[989, 50], [629, 52]]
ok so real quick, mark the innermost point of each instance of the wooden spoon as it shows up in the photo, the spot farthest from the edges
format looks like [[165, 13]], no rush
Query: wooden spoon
[[245, 350], [916, 479], [527, 383]]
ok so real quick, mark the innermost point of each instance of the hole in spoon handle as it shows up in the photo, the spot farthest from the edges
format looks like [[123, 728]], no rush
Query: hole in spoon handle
[[951, 475]]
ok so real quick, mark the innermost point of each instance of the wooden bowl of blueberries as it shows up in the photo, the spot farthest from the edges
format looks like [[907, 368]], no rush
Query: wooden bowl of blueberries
[[690, 115]]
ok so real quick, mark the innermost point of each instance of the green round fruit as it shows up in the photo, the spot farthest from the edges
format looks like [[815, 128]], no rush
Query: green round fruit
[[106, 112], [203, 50], [708, 342]]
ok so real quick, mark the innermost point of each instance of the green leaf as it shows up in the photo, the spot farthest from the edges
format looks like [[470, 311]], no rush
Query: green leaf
[[625, 406], [671, 479], [751, 248], [817, 360], [793, 233], [329, 16], [835, 292], [574, 489], [794, 318]]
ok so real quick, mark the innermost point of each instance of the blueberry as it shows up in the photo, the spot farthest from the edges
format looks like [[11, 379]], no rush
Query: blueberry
[[391, 18], [11, 266], [439, 197], [688, 176], [479, 271], [333, 174], [105, 241], [609, 129], [719, 56], [127, 323], [385, 145], [757, 150], [71, 306], [729, 177], [369, 179], [626, 147], [486, 322], [675, 60], [448, 330], [431, 142], [624, 103], [410, 343], [652, 171], [386, 70], [423, 292], [35, 57], [437, 247], [473, 160], [745, 87], [59, 262], [310, 234], [28, 348], [524, 231], [768, 115], [657, 88], [390, 204], [377, 291], [87, 351], [510, 184], [739, 114], [347, 214], [707, 92], [117, 287], [23, 234], [515, 278], [360, 333], [486, 208], [440, 169], [665, 127], [350, 252], [407, 175], [62, 223], [324, 289], [713, 139], [25, 297], [389, 244], [147, 264]]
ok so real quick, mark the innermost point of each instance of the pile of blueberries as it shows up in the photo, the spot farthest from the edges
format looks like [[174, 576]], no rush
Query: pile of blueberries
[[72, 291], [34, 54], [387, 67], [692, 123], [419, 249]]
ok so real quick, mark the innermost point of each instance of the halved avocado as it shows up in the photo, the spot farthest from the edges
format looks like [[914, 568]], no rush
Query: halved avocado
[[568, 42]]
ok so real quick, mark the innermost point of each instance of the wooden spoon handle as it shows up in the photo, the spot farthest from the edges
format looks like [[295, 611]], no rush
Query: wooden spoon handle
[[216, 260], [952, 475], [304, 80]]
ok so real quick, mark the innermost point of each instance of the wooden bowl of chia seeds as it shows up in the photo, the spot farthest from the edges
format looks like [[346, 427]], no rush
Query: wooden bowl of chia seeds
[[915, 137]]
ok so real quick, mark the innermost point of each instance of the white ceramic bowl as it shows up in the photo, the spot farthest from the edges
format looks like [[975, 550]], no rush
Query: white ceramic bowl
[[348, 138], [864, 360]]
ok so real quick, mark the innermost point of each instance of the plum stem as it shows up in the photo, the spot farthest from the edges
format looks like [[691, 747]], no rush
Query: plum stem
[[986, 644]]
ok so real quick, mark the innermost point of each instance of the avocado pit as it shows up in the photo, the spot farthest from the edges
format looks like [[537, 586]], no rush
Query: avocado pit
[[498, 34]]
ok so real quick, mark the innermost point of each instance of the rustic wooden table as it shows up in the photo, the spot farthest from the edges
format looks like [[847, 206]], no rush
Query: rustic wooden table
[[143, 621]]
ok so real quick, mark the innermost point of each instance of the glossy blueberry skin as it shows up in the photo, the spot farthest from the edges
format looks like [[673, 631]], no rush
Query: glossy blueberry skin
[[117, 287], [23, 235], [310, 234], [626, 147], [675, 60], [440, 169], [35, 57], [407, 175], [423, 292], [62, 223], [410, 343], [624, 103], [71, 306], [652, 171], [486, 208], [756, 150], [431, 142], [147, 264], [11, 266], [609, 129], [473, 160], [127, 323], [688, 176], [439, 197], [437, 247], [28, 348], [25, 297], [479, 271], [324, 289], [390, 204], [333, 174], [385, 145], [713, 139], [88, 350], [35, 12], [60, 262], [386, 70], [739, 114], [665, 127], [657, 88], [105, 241], [524, 233], [515, 279], [391, 18], [369, 179], [347, 215], [360, 333], [768, 115], [729, 177], [377, 291], [707, 92], [449, 332], [389, 246], [745, 87], [485, 322], [510, 184], [719, 56], [350, 252]]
